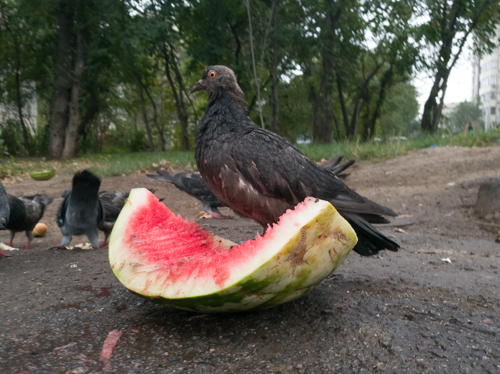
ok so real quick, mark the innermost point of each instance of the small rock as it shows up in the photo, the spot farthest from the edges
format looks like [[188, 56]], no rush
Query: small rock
[[488, 198], [78, 370]]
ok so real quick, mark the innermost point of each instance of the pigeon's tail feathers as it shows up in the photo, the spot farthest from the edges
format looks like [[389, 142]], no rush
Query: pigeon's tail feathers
[[370, 240], [86, 178], [333, 162], [337, 169]]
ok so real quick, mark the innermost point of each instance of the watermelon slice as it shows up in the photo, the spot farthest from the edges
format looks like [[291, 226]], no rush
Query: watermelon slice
[[161, 256]]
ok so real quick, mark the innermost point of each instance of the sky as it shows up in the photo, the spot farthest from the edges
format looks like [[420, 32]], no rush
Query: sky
[[459, 84]]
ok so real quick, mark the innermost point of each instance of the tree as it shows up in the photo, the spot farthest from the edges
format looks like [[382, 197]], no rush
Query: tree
[[447, 27], [465, 113]]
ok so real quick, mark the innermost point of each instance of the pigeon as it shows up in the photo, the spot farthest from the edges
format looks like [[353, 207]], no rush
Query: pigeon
[[260, 174], [81, 211], [4, 212], [194, 185], [112, 203], [25, 213]]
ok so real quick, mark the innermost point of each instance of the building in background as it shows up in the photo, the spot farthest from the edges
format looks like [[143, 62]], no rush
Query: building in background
[[485, 84], [9, 111]]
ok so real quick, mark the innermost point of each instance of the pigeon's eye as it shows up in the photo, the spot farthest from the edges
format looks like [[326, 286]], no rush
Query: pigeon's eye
[[212, 74]]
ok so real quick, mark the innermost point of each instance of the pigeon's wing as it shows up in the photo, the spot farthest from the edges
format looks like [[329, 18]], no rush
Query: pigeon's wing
[[101, 214], [190, 183], [63, 207], [4, 207], [275, 168], [112, 203], [195, 185]]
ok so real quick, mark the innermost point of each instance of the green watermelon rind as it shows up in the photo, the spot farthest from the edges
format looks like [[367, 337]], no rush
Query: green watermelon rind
[[43, 175], [274, 282]]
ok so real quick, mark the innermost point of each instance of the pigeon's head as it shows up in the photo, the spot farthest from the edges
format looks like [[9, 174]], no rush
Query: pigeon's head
[[218, 79]]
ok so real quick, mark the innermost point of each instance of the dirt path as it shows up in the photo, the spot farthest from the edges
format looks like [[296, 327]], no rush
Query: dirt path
[[402, 312]]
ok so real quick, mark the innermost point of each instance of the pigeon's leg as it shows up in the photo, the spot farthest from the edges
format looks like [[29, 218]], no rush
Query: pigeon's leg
[[12, 234], [3, 254], [65, 241], [29, 234], [106, 238], [215, 213], [93, 236]]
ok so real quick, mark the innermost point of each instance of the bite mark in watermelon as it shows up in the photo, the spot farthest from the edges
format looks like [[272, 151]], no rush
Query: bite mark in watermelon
[[161, 256]]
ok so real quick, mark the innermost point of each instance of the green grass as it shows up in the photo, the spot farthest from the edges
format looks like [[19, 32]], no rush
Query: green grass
[[379, 151], [106, 165]]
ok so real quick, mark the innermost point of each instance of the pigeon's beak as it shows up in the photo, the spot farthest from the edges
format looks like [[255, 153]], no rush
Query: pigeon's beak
[[198, 86]]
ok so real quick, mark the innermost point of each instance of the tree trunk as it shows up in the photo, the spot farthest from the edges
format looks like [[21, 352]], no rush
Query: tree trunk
[[430, 107], [62, 83], [17, 74], [69, 150], [318, 113], [275, 109], [90, 114], [342, 104], [322, 130], [180, 110], [155, 119], [144, 113], [386, 81]]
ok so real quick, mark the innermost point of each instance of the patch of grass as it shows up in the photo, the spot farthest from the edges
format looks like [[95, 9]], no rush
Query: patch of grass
[[104, 165], [107, 165], [379, 151]]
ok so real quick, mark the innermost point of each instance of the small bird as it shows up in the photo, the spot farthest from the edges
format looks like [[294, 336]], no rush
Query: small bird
[[260, 175], [81, 211], [194, 185], [25, 213], [112, 203], [4, 212]]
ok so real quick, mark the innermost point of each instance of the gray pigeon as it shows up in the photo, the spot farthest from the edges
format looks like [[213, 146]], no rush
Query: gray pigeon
[[194, 185], [81, 211], [25, 213], [4, 212]]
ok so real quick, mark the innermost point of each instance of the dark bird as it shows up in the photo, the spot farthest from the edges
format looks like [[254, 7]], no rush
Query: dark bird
[[194, 185], [81, 212], [4, 212], [260, 175], [112, 202], [25, 213]]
